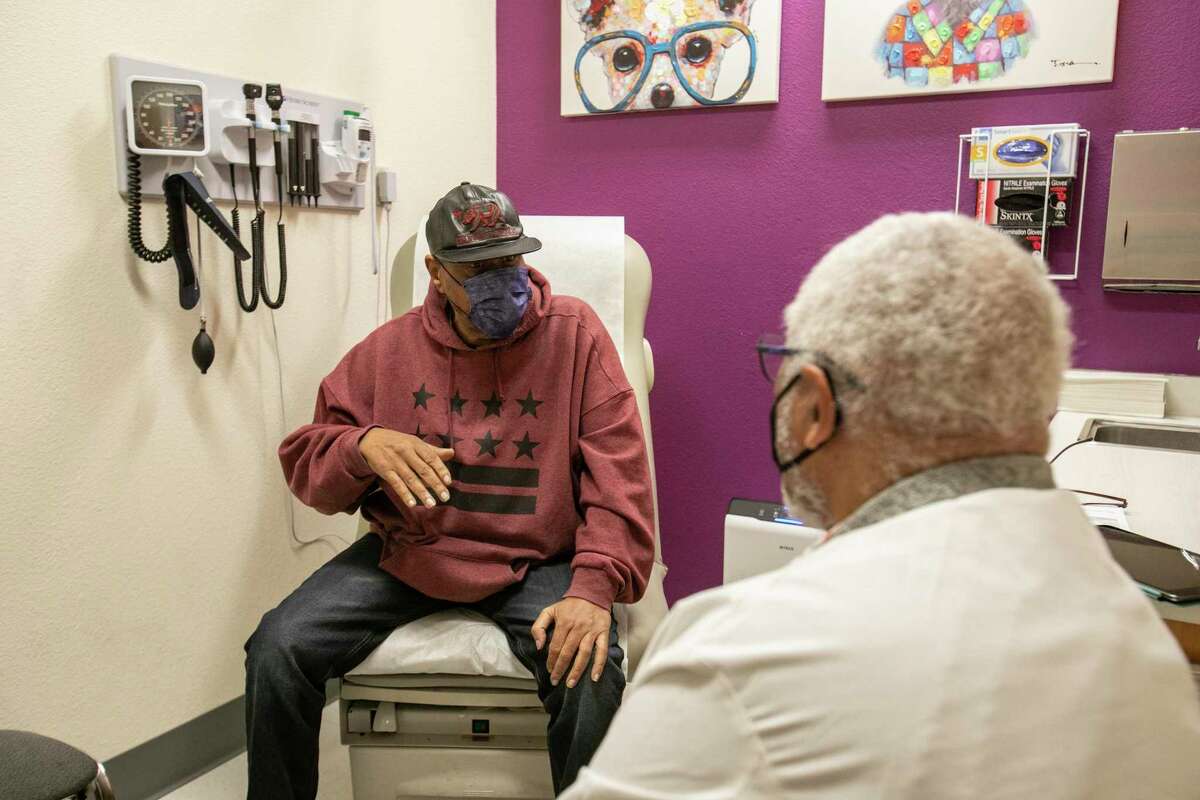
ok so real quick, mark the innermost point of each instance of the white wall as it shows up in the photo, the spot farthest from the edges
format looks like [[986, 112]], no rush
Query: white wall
[[144, 525]]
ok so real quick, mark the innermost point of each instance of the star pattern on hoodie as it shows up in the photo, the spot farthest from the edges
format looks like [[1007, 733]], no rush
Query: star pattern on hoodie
[[447, 441], [493, 405], [530, 405], [488, 445], [525, 446], [421, 398]]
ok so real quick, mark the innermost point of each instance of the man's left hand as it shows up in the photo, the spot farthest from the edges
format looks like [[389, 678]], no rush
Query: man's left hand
[[580, 630]]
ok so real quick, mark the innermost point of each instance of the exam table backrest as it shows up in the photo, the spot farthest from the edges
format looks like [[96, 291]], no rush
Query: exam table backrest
[[639, 620]]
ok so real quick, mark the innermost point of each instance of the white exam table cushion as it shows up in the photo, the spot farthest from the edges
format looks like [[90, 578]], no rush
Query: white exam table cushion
[[454, 642]]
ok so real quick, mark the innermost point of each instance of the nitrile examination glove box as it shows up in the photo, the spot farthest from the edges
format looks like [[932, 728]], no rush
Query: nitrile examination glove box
[[1023, 202], [1024, 150]]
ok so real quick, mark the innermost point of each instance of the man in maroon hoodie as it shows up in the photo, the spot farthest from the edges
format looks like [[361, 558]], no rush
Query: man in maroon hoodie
[[493, 443]]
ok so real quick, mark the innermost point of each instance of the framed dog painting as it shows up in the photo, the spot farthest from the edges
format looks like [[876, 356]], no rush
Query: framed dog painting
[[895, 48], [621, 56]]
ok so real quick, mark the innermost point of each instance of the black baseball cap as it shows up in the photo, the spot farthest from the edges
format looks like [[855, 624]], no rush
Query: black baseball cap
[[476, 223]]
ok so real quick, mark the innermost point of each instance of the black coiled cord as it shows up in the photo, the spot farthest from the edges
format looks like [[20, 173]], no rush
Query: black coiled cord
[[278, 301], [135, 216], [257, 249], [252, 303]]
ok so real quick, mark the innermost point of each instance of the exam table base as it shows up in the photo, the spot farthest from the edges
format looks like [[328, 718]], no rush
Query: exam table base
[[426, 773], [409, 741]]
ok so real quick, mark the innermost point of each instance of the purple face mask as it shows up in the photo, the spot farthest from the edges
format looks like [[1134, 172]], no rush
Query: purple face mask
[[498, 298]]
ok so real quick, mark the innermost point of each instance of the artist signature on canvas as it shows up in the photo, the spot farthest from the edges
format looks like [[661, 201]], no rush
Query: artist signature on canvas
[[1066, 62]]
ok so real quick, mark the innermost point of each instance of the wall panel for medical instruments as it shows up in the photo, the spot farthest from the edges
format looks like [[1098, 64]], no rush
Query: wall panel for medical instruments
[[227, 134]]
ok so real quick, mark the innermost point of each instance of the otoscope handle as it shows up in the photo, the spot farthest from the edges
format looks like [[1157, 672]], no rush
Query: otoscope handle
[[275, 102]]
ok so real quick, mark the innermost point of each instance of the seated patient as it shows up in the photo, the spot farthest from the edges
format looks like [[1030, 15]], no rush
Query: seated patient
[[493, 443], [961, 632]]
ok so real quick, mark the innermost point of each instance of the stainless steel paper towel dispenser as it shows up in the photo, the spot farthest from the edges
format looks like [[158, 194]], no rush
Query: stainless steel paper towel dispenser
[[1153, 239]]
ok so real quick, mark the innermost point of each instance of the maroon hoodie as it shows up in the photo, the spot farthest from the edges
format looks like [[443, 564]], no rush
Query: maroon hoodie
[[549, 455]]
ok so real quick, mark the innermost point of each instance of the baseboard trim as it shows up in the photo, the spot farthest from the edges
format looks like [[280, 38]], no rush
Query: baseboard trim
[[161, 765], [166, 762]]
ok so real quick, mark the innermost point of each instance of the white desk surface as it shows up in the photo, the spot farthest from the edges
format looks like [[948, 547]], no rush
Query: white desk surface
[[1162, 488]]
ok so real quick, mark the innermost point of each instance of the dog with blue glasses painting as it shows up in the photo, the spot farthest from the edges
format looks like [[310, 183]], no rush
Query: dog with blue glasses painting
[[646, 55]]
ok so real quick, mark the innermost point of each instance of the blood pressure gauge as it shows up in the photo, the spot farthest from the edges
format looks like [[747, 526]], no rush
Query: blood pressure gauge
[[166, 116]]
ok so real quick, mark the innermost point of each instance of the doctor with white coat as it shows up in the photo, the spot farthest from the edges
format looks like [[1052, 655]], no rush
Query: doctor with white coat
[[962, 631]]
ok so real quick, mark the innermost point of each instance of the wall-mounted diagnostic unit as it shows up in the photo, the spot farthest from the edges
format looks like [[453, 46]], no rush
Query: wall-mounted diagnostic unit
[[211, 118], [193, 138]]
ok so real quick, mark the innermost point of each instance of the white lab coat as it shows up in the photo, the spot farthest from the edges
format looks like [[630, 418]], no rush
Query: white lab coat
[[984, 647]]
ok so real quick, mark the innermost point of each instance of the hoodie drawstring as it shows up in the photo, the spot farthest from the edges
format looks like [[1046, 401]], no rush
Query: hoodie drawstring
[[449, 403], [496, 381]]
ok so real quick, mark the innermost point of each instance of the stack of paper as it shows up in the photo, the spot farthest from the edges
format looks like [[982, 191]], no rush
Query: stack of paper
[[1114, 393], [1113, 516]]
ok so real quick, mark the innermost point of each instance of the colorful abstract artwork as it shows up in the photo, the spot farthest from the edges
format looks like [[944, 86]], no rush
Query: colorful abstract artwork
[[942, 42], [935, 46], [656, 55]]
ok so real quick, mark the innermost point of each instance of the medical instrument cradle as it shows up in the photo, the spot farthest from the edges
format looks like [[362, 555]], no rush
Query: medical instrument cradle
[[971, 140]]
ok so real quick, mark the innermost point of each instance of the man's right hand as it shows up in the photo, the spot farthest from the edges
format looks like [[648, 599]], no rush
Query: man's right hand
[[413, 468]]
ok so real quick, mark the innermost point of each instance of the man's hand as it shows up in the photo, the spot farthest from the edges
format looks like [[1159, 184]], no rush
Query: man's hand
[[413, 468], [580, 630]]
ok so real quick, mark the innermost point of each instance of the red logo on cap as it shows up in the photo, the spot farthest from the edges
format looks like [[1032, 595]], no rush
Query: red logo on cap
[[478, 215], [485, 215]]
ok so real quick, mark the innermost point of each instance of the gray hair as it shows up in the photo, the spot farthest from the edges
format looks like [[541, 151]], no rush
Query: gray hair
[[952, 330]]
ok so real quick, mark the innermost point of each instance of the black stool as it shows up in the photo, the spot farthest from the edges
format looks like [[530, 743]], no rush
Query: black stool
[[34, 767]]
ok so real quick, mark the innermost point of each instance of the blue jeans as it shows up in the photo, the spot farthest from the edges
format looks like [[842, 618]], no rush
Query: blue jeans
[[344, 611]]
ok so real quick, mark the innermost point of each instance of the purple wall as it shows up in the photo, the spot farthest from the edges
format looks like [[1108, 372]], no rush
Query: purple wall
[[734, 205]]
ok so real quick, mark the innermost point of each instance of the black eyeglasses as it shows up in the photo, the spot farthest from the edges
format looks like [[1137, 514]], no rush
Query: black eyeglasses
[[773, 353]]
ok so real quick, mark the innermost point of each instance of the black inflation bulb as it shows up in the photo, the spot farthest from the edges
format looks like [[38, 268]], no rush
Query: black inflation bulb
[[203, 350]]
